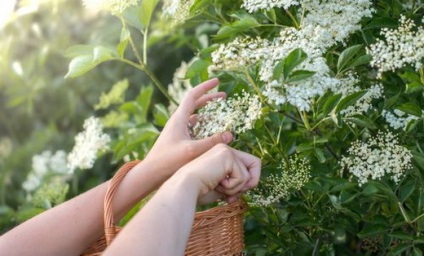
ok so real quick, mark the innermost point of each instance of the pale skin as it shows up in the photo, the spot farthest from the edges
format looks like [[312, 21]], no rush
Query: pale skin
[[73, 226]]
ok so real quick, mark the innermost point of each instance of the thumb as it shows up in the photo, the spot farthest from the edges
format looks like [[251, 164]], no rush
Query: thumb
[[205, 144]]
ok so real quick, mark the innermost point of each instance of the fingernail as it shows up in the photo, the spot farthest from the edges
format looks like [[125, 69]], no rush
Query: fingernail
[[227, 137]]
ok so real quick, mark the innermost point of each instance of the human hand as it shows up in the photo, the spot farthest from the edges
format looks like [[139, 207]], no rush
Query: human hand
[[223, 171], [175, 147]]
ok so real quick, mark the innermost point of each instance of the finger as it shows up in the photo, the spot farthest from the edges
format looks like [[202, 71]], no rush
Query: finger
[[208, 97], [236, 180], [188, 105], [205, 144], [233, 198], [253, 165]]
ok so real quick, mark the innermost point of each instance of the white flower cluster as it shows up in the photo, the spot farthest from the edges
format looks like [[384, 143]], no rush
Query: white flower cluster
[[87, 144], [180, 85], [43, 165], [242, 52], [338, 18], [315, 35], [178, 10], [400, 47], [236, 114], [364, 103], [291, 177], [398, 119], [379, 156], [255, 5], [115, 7]]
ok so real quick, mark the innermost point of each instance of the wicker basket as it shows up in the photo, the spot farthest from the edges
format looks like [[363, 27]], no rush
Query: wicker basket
[[217, 231]]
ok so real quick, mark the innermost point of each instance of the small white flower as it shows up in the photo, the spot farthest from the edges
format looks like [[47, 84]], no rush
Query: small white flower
[[398, 48], [291, 176], [237, 114], [398, 119], [180, 85], [255, 5], [87, 144], [376, 158], [178, 10]]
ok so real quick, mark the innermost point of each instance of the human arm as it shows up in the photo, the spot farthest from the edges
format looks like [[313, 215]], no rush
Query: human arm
[[163, 225], [73, 226]]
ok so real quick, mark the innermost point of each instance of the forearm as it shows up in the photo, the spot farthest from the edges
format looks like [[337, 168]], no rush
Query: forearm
[[163, 226], [71, 227]]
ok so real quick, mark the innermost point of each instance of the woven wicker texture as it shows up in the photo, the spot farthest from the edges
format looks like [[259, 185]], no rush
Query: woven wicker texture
[[217, 231]]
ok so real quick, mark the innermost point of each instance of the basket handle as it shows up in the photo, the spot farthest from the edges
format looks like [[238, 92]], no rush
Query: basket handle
[[109, 223]]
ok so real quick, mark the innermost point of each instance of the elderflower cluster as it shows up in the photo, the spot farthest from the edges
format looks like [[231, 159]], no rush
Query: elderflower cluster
[[242, 52], [315, 35], [398, 119], [87, 144], [43, 165], [178, 10], [237, 114], [410, 4], [378, 157], [339, 18], [399, 47], [291, 176], [255, 5], [364, 103], [115, 7], [180, 85]]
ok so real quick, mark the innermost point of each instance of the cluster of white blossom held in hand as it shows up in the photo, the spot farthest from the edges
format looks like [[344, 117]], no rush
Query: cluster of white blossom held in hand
[[323, 24]]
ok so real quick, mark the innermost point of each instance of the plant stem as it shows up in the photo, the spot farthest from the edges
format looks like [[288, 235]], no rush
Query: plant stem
[[405, 215], [152, 77], [316, 247], [296, 24], [305, 120]]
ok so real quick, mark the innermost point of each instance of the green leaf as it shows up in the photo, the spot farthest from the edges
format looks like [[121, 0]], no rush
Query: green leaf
[[161, 115], [198, 67], [80, 65], [145, 12], [407, 189], [320, 155], [299, 75], [349, 100], [143, 101], [400, 248], [410, 108], [77, 50], [294, 59], [102, 53], [123, 42], [401, 236], [347, 56], [330, 104], [372, 230], [244, 23], [362, 120], [417, 252]]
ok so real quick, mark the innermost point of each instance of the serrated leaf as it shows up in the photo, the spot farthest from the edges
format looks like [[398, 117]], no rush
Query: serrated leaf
[[398, 249], [407, 189], [102, 53], [401, 236]]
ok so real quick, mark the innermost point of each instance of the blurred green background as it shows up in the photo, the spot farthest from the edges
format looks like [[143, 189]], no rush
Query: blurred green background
[[40, 109]]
